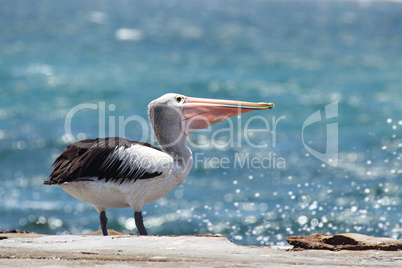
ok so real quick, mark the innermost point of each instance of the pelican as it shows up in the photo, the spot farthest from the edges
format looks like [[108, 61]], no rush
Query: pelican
[[117, 173]]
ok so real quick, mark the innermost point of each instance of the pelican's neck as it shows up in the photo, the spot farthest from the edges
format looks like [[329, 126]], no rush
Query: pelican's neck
[[167, 130]]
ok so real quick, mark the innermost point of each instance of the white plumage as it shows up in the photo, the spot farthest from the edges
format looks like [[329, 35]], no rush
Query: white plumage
[[104, 194]]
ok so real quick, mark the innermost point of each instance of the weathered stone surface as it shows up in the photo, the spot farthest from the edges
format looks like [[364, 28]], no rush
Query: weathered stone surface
[[34, 250]]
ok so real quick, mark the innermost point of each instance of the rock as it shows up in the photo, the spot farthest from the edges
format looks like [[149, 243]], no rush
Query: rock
[[349, 241], [24, 250]]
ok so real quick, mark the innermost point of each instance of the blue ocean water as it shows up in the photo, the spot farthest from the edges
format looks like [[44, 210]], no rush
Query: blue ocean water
[[117, 56]]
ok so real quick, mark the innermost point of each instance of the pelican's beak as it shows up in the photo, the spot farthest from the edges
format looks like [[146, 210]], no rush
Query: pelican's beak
[[201, 113]]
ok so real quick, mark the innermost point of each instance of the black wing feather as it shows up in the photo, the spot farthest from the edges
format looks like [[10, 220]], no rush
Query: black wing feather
[[86, 158]]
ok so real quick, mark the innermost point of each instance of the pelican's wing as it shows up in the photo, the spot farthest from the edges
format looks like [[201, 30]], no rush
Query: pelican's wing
[[113, 159]]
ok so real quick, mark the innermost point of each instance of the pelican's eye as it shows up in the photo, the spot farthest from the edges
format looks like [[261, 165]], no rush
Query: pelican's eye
[[179, 98]]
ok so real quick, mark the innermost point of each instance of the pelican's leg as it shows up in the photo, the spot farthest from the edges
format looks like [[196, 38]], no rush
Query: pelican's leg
[[139, 223], [103, 222]]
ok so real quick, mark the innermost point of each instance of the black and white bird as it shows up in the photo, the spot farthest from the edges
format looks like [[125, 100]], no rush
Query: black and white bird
[[117, 173]]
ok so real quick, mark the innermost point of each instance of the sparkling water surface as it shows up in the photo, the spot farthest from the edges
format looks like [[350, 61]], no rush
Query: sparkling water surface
[[120, 55]]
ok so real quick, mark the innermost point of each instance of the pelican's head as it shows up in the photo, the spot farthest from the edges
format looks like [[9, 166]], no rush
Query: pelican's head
[[189, 113]]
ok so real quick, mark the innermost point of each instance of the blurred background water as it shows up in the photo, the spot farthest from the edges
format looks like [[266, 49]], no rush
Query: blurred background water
[[301, 55]]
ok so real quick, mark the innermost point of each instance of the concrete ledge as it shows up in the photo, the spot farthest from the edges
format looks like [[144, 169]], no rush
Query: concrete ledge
[[172, 251]]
